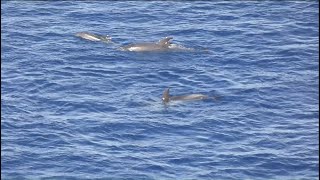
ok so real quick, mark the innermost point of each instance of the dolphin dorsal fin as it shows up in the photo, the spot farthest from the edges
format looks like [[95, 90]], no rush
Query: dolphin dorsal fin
[[166, 96], [165, 41]]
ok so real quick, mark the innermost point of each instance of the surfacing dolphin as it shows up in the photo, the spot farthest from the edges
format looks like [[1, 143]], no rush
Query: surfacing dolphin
[[93, 37], [166, 98], [162, 45]]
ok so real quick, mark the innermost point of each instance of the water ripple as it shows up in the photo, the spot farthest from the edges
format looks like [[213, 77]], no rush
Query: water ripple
[[77, 109]]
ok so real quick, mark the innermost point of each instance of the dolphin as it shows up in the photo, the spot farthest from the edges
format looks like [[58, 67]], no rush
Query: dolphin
[[162, 45], [166, 98], [93, 37]]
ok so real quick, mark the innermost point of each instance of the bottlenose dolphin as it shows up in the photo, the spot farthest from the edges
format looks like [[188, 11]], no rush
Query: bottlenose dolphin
[[167, 98], [162, 45], [93, 37]]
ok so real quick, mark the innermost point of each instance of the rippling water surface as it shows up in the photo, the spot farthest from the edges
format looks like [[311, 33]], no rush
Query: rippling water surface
[[72, 108]]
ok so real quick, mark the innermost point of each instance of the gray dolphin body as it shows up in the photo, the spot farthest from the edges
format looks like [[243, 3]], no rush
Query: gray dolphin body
[[93, 37], [167, 98], [162, 45]]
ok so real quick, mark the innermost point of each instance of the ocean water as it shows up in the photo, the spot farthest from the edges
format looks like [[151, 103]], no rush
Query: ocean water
[[75, 109]]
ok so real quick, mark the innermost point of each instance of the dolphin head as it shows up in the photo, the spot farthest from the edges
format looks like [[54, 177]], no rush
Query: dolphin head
[[166, 96], [165, 42]]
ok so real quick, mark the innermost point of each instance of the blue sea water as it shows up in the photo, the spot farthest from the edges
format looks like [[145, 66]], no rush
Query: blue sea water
[[75, 109]]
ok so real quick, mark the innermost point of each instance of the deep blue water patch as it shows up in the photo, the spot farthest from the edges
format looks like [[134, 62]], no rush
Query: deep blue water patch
[[74, 109]]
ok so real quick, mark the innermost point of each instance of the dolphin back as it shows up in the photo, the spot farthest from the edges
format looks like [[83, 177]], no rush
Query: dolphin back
[[189, 97], [93, 37], [166, 98], [144, 47]]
